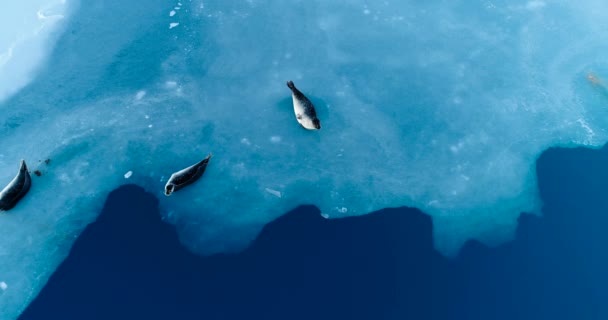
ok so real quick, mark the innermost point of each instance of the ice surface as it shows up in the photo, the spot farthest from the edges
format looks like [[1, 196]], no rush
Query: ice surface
[[27, 29], [443, 106]]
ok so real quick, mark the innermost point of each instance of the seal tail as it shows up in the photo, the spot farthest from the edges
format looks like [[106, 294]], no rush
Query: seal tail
[[22, 165], [290, 85]]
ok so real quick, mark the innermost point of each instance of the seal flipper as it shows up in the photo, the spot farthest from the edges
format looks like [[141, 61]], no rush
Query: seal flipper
[[200, 168], [291, 86], [299, 95]]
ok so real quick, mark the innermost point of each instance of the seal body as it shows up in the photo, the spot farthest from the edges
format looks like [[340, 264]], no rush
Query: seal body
[[16, 189], [304, 109], [186, 176]]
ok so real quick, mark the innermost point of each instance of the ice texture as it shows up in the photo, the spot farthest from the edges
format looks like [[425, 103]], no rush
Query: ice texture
[[27, 30], [440, 105]]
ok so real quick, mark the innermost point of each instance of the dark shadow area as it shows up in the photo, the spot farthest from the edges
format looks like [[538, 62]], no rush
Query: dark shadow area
[[130, 265]]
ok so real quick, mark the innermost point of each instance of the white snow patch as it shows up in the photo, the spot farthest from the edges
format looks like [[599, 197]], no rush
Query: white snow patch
[[5, 57], [587, 128], [26, 28], [274, 192], [3, 285], [140, 95], [173, 25], [128, 174], [456, 147], [172, 13]]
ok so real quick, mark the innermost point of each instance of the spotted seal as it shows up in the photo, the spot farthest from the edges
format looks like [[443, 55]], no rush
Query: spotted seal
[[304, 109]]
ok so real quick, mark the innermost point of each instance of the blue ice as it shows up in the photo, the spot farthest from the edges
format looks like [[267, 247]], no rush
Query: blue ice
[[441, 105]]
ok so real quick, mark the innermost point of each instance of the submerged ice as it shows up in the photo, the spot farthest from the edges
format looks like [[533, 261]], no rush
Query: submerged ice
[[443, 106]]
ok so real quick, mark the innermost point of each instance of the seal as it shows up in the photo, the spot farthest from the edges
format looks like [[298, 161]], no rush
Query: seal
[[304, 109], [186, 176], [16, 189]]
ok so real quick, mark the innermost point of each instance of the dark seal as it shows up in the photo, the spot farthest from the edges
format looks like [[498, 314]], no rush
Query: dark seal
[[186, 176], [16, 189]]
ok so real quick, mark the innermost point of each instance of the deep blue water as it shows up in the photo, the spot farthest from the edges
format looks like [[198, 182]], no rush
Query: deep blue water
[[130, 265]]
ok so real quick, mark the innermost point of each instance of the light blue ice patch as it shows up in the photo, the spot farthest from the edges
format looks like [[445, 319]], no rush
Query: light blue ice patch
[[28, 30], [442, 106]]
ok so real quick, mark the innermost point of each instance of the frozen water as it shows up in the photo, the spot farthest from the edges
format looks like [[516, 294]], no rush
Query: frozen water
[[273, 192], [27, 29], [443, 106]]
